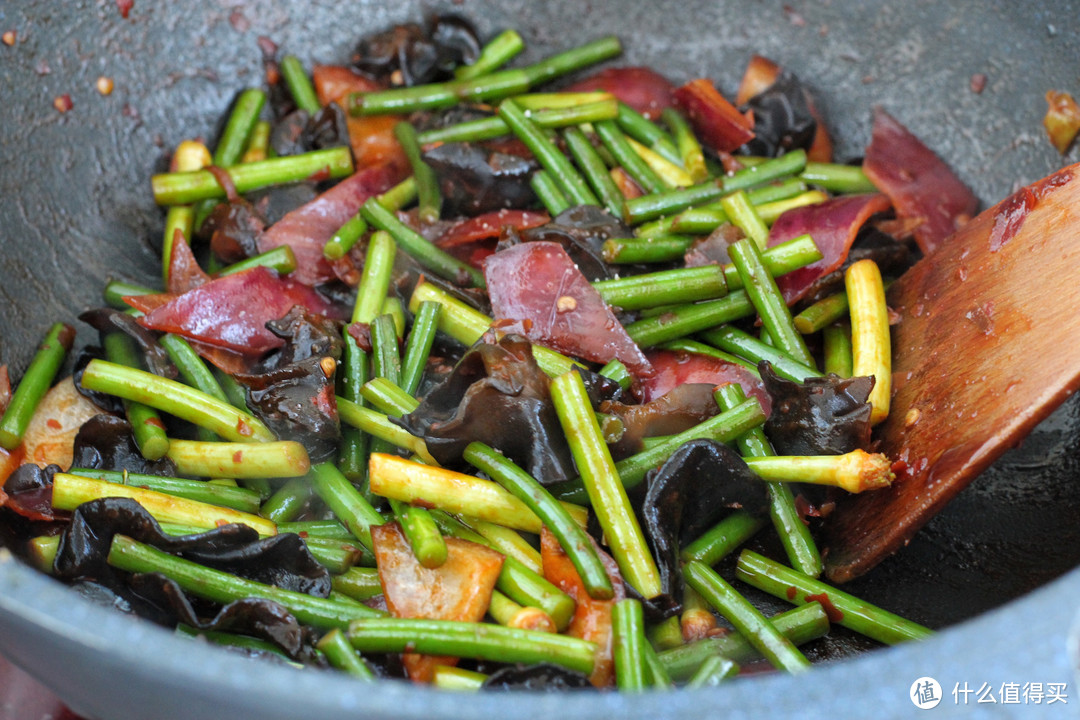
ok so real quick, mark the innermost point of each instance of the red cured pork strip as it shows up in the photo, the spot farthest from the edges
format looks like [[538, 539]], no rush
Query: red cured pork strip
[[231, 311], [680, 368], [833, 225], [642, 88], [918, 182], [716, 121], [537, 285], [488, 225], [307, 228]]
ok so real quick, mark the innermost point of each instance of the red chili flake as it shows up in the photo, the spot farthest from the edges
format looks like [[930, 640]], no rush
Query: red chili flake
[[805, 508], [525, 324], [1010, 217], [978, 82], [361, 334], [303, 533], [325, 401], [319, 175], [794, 17], [239, 21], [53, 423], [221, 522], [63, 103], [273, 73], [156, 422], [238, 456], [125, 6], [792, 591], [5, 388], [267, 47], [730, 163], [422, 503], [831, 611], [8, 38], [243, 428]]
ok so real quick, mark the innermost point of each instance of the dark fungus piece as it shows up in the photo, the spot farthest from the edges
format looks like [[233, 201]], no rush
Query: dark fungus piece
[[85, 543], [28, 492], [251, 616], [286, 133], [298, 132], [105, 442], [255, 617], [821, 416], [782, 118], [475, 179], [108, 320], [599, 388], [688, 494], [544, 677], [713, 249], [496, 395], [306, 336], [403, 48], [233, 228], [409, 54], [892, 256], [294, 392], [115, 593], [454, 115], [297, 401], [281, 560], [108, 403], [456, 39], [276, 201], [473, 297], [671, 413], [582, 230]]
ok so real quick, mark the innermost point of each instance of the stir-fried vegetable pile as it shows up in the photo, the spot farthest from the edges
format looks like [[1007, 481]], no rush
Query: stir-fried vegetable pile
[[454, 380]]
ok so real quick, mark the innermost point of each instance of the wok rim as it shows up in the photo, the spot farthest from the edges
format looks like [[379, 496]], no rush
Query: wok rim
[[60, 619]]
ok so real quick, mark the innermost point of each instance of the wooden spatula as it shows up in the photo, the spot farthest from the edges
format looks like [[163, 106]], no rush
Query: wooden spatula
[[988, 345]]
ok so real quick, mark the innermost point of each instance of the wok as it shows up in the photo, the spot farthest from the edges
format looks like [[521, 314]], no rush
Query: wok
[[77, 210]]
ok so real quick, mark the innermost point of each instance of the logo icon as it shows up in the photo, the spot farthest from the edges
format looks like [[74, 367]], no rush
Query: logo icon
[[925, 693]]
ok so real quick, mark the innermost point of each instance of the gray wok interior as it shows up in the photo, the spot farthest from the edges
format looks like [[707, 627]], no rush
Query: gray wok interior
[[75, 209]]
